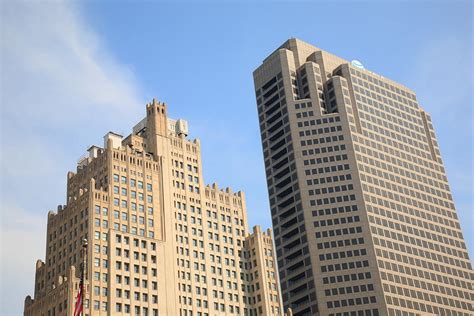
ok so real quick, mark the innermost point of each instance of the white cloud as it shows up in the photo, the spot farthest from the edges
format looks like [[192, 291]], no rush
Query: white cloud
[[50, 58], [60, 88], [23, 241]]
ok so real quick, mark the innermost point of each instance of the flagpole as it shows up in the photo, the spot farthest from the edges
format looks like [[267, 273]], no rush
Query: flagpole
[[84, 261]]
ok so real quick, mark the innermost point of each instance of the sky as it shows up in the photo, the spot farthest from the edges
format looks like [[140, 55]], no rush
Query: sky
[[70, 72]]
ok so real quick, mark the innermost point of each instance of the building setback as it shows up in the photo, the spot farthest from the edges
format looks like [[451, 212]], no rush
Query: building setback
[[363, 217], [160, 241]]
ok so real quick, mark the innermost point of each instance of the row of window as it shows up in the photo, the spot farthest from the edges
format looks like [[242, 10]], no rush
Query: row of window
[[341, 243], [352, 302], [327, 169], [323, 150], [343, 254], [133, 183], [349, 289], [344, 266], [333, 200], [325, 159], [330, 190], [347, 277], [339, 232], [336, 210]]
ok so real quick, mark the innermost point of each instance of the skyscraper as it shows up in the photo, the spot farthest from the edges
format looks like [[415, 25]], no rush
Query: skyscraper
[[363, 217], [161, 242]]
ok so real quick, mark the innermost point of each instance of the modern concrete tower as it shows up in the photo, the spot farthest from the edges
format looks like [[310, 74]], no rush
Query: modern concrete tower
[[161, 242], [363, 217]]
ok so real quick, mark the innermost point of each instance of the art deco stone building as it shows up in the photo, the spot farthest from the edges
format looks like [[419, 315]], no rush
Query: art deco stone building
[[363, 217], [161, 242]]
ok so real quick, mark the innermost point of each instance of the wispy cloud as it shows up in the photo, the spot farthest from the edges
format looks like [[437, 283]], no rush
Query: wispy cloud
[[60, 88]]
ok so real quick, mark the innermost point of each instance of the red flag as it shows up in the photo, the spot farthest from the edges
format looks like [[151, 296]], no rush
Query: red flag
[[79, 300]]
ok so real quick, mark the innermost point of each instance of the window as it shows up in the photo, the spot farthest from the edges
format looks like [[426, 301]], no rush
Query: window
[[148, 187], [116, 178]]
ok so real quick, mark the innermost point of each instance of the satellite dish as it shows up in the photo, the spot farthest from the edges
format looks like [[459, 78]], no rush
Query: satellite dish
[[357, 64]]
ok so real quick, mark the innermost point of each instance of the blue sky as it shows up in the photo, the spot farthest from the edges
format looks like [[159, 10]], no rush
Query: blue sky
[[70, 72]]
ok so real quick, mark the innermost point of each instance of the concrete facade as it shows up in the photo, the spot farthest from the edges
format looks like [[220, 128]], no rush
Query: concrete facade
[[161, 242], [363, 217]]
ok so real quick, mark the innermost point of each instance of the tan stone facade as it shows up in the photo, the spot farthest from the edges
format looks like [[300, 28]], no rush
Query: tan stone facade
[[262, 273], [161, 242], [363, 217]]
